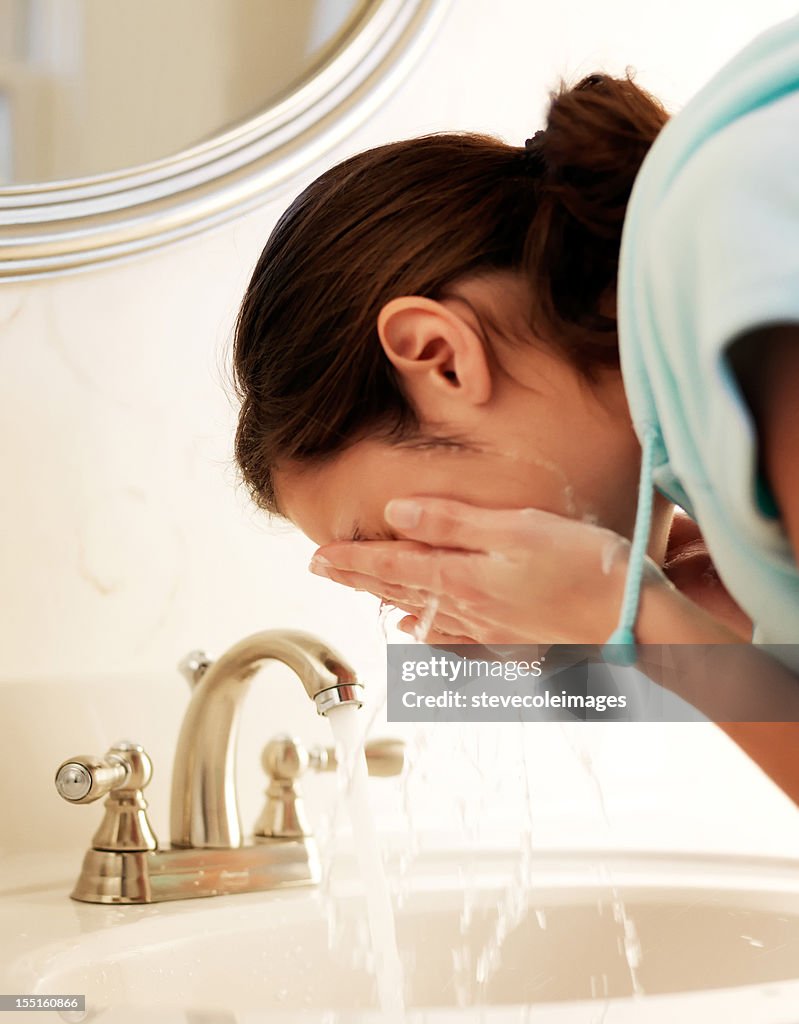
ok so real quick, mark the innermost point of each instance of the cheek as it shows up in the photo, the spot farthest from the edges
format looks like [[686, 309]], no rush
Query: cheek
[[548, 481], [594, 450]]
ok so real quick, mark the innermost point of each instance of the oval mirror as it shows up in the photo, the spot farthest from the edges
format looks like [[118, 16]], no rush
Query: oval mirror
[[127, 125]]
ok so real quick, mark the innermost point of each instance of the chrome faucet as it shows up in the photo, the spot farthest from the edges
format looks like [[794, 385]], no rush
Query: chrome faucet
[[208, 855]]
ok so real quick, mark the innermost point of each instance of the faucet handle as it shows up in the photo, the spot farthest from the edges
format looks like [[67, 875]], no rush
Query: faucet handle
[[194, 666], [384, 757], [122, 773], [285, 759]]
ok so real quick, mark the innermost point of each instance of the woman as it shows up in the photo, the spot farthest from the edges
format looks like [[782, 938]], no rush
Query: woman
[[436, 320]]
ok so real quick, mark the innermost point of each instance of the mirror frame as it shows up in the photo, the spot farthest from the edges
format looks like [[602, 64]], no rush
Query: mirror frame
[[71, 224]]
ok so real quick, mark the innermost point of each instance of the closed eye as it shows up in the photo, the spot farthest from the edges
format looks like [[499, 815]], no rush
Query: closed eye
[[358, 535]]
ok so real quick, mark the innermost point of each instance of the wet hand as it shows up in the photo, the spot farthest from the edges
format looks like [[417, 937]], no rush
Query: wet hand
[[494, 576]]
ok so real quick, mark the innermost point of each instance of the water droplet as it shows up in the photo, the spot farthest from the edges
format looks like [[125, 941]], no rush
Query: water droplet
[[425, 623], [612, 549]]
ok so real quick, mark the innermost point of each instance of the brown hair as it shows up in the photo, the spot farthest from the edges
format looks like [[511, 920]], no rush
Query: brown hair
[[411, 218]]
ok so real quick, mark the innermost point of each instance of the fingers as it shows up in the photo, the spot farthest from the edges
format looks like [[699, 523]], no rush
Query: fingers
[[393, 564], [409, 599], [450, 539], [436, 637], [441, 622], [446, 523], [337, 550], [393, 593], [457, 579]]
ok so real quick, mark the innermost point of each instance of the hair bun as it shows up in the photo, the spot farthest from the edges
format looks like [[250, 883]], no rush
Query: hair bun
[[533, 156], [534, 141]]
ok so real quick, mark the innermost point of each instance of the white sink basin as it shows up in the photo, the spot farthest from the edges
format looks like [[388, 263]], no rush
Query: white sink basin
[[640, 937]]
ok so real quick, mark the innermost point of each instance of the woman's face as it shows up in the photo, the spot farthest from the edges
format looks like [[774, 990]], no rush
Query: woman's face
[[528, 430]]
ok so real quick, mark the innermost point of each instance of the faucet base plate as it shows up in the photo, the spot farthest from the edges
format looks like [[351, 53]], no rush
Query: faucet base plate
[[155, 876]]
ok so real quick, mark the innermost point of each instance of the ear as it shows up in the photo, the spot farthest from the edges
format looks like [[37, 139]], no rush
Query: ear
[[439, 355]]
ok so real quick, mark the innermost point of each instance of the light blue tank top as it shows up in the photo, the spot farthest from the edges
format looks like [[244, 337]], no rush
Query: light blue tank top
[[709, 250]]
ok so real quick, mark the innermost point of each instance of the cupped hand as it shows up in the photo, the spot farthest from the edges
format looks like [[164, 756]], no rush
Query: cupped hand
[[495, 576]]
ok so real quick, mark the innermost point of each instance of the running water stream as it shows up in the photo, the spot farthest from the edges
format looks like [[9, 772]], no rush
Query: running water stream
[[348, 730], [346, 723]]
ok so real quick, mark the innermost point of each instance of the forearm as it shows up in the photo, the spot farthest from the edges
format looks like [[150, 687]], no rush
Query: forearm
[[752, 697]]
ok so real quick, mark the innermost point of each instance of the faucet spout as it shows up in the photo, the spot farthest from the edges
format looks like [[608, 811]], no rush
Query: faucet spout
[[204, 811]]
